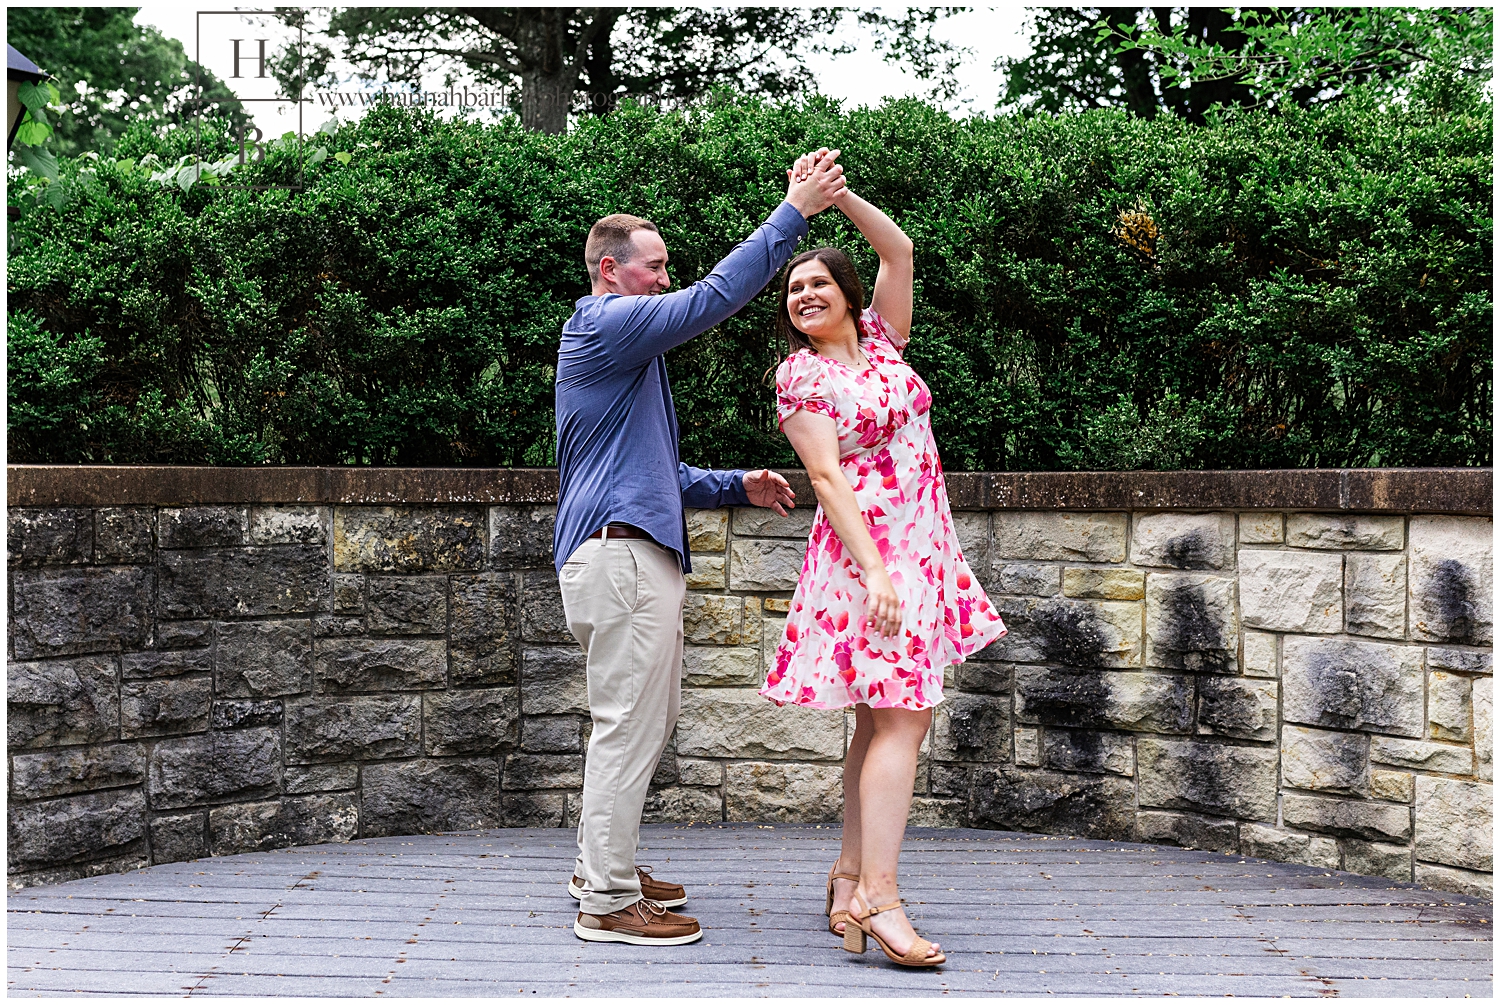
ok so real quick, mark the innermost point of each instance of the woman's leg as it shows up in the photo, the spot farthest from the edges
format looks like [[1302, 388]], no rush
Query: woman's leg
[[885, 782], [849, 852]]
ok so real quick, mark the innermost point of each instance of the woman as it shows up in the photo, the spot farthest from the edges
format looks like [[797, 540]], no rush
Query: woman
[[885, 600]]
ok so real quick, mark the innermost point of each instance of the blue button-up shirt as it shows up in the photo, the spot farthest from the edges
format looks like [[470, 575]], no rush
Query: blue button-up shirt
[[616, 429]]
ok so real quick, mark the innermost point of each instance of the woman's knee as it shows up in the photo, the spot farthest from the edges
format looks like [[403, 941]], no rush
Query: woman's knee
[[907, 723]]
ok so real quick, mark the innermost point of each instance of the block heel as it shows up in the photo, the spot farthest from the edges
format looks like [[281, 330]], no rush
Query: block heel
[[854, 938]]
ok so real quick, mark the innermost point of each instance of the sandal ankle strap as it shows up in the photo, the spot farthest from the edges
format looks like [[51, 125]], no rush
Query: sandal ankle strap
[[883, 907]]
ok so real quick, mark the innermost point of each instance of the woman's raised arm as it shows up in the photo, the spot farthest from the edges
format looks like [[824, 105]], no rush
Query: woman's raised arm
[[892, 296]]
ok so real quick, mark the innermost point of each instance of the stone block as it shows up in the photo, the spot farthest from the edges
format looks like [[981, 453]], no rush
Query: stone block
[[56, 702], [528, 772], [1028, 746], [283, 823], [183, 634], [1213, 778], [928, 812], [707, 529], [408, 538], [542, 616], [986, 678], [63, 536], [1421, 755], [709, 573], [124, 535], [801, 793], [733, 722], [203, 526], [764, 564], [1083, 633], [1473, 884], [59, 830], [708, 619], [1030, 580], [79, 769], [1343, 530], [1325, 761], [554, 681], [521, 536], [470, 722], [1279, 845], [1238, 707], [1261, 528], [756, 521], [714, 666], [407, 605], [1460, 660], [1292, 591], [701, 773], [1395, 786], [1027, 799], [1348, 817], [365, 727], [1184, 540], [485, 626], [1455, 822], [421, 797], [1375, 595], [536, 809], [179, 838], [348, 593], [1090, 699], [304, 778], [1191, 623], [953, 779], [235, 764], [244, 582], [164, 707], [289, 524], [1187, 830], [264, 659], [337, 626], [380, 664], [1371, 858], [972, 727], [552, 734], [1059, 537], [1484, 742], [677, 805], [973, 533], [59, 612], [1449, 707], [1260, 655], [1077, 750], [1452, 579], [1352, 685], [1102, 584]]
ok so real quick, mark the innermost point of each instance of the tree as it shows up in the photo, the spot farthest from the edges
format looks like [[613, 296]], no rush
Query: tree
[[671, 53], [112, 72]]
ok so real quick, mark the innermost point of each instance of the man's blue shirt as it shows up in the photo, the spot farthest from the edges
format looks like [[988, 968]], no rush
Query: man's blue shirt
[[616, 430]]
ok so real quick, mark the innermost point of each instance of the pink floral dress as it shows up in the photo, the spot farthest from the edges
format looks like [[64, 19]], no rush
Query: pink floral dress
[[887, 452]]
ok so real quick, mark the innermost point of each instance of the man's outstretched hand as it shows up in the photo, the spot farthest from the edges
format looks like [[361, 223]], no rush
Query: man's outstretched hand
[[766, 488], [815, 182]]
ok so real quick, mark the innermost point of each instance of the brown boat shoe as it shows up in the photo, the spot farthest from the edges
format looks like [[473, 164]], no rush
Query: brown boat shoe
[[644, 923], [665, 894]]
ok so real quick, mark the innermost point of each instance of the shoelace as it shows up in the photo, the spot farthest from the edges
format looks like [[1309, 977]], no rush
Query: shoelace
[[656, 907]]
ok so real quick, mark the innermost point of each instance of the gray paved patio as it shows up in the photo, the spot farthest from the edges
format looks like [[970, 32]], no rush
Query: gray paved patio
[[484, 913]]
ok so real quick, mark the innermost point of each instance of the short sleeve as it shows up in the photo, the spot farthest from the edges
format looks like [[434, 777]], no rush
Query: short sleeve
[[877, 330], [802, 382]]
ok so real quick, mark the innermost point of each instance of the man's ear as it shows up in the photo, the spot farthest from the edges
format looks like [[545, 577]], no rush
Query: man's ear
[[607, 269]]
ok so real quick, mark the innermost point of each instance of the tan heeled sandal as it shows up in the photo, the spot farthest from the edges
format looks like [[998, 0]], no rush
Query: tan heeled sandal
[[859, 927], [836, 917]]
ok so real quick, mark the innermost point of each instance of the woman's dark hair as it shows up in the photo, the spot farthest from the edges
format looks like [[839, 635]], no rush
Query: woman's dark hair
[[844, 274]]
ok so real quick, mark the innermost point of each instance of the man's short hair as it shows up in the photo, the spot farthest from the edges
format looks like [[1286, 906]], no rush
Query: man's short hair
[[611, 236]]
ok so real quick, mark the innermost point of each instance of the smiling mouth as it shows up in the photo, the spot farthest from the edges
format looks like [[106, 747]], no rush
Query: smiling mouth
[[808, 311]]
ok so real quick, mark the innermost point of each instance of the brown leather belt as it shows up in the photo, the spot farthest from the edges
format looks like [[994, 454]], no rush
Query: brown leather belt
[[621, 530]]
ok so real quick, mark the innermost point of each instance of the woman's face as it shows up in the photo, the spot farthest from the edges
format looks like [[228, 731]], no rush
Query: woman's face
[[817, 305]]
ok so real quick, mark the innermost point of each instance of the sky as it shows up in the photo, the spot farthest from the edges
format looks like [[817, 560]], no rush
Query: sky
[[861, 77]]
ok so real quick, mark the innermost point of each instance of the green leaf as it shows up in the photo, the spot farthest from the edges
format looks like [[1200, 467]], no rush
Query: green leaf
[[318, 156], [37, 160], [125, 165], [58, 196], [31, 133], [33, 96], [188, 176], [343, 157]]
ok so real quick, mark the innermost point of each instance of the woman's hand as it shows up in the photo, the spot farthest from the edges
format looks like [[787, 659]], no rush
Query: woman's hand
[[882, 606], [815, 182]]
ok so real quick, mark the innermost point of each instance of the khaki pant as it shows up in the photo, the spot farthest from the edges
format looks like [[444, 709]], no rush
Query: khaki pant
[[623, 599]]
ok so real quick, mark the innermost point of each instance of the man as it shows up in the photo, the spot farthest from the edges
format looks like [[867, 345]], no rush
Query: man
[[620, 543]]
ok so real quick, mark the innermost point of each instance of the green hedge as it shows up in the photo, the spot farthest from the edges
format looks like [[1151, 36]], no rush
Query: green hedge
[[1094, 291]]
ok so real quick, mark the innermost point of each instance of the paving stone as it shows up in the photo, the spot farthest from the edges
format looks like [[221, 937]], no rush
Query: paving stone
[[1218, 779], [1100, 584], [239, 763], [699, 773], [714, 666], [165, 707], [676, 804], [1261, 528], [1028, 745], [731, 722], [1079, 750], [521, 536], [63, 611], [289, 524], [408, 538], [264, 659], [1460, 660], [707, 529], [1291, 591], [971, 727], [1184, 540], [421, 797], [124, 535], [77, 769], [756, 521], [1085, 633], [1348, 817], [928, 812], [1054, 537], [1232, 706], [535, 809], [1093, 699], [183, 634], [203, 526], [1092, 806], [179, 838], [987, 678], [57, 702], [147, 665], [282, 823], [56, 830], [1473, 884], [470, 722], [485, 627], [1375, 595], [1188, 830], [1343, 530], [60, 536], [1421, 755], [1352, 685], [714, 620], [1484, 742], [1260, 655], [407, 605], [380, 664], [1191, 623], [1452, 579], [554, 680], [353, 726], [1371, 858], [542, 616], [1449, 707], [1030, 580], [243, 582], [1455, 822], [1279, 845], [1395, 786], [304, 778], [783, 792], [1325, 761], [709, 573]]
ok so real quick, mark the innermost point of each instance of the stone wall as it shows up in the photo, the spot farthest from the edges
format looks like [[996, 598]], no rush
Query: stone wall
[[194, 674]]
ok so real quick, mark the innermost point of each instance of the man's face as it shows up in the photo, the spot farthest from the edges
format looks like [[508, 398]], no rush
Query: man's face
[[646, 272]]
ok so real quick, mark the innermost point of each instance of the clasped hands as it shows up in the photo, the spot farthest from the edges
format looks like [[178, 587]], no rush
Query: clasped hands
[[815, 182]]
